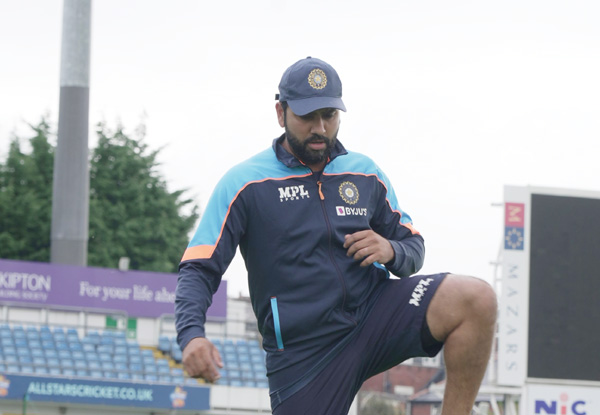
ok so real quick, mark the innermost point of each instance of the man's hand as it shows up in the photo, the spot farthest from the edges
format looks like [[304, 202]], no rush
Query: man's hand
[[369, 246], [201, 359]]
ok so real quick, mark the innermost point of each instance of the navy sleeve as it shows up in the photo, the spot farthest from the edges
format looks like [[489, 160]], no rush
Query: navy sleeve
[[394, 224], [207, 257]]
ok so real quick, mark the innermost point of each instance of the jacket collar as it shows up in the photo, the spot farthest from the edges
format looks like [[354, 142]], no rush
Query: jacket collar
[[291, 161]]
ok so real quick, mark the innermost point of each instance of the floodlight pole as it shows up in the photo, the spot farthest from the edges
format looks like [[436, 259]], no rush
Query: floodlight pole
[[70, 194]]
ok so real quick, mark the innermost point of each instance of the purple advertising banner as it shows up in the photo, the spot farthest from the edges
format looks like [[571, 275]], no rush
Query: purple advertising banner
[[138, 293]]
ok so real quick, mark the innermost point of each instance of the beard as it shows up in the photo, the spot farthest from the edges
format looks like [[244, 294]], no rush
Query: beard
[[306, 154]]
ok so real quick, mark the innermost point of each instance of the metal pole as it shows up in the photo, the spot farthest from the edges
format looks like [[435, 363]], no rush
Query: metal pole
[[70, 197]]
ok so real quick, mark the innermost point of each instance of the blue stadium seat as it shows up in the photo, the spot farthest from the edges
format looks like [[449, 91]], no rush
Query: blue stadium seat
[[176, 355], [54, 371], [147, 360], [94, 364], [107, 340], [64, 353], [178, 379], [105, 357], [121, 367], [123, 376], [120, 350], [108, 366], [137, 376], [39, 361], [262, 384], [91, 356], [245, 366], [120, 341], [23, 351], [41, 370], [150, 377], [10, 347], [109, 374], [120, 358], [12, 368], [165, 378], [27, 369], [164, 344], [25, 359], [66, 363], [135, 359], [80, 364], [67, 371], [82, 373], [105, 348], [88, 347], [45, 333], [147, 352], [50, 352], [35, 344], [136, 367], [52, 362], [257, 360], [75, 346], [150, 369], [161, 362], [96, 373], [61, 345], [21, 342]]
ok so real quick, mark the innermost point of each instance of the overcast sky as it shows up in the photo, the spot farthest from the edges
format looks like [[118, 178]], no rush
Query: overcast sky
[[453, 99]]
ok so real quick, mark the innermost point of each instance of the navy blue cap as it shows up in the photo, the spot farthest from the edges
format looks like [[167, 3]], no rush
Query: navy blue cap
[[311, 84]]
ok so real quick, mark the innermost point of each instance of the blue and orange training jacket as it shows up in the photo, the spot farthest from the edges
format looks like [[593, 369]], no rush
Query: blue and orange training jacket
[[290, 224]]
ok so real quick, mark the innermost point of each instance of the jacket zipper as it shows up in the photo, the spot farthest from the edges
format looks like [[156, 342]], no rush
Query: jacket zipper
[[276, 324], [338, 272]]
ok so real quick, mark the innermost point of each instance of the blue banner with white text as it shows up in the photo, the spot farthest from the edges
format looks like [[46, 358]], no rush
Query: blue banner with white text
[[90, 392]]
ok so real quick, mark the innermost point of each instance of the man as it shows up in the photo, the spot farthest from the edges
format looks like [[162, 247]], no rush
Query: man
[[320, 230]]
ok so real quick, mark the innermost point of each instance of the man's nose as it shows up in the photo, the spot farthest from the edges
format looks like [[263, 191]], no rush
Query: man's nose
[[318, 125]]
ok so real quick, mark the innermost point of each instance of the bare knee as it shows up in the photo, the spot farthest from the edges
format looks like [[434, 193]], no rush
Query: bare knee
[[460, 299]]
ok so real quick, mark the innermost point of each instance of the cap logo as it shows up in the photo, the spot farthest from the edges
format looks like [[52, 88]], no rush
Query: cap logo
[[349, 192], [317, 79]]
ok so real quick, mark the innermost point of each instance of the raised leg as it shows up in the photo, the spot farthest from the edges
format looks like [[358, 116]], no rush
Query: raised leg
[[462, 313]]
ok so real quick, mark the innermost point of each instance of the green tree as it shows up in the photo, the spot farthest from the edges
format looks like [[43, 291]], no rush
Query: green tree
[[132, 213], [26, 197]]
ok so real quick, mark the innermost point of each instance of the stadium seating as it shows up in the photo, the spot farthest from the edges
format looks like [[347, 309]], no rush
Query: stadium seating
[[56, 351]]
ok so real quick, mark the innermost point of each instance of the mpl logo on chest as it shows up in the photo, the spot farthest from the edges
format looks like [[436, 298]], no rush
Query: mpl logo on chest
[[292, 193]]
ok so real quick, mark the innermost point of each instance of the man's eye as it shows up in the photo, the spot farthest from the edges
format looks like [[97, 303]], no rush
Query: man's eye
[[329, 114]]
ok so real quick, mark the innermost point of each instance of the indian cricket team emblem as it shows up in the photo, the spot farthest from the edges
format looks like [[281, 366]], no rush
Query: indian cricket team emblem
[[349, 192], [317, 79]]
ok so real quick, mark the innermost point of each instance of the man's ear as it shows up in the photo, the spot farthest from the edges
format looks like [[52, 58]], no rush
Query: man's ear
[[280, 114]]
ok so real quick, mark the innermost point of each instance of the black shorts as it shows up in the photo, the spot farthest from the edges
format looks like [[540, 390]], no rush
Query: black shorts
[[394, 330]]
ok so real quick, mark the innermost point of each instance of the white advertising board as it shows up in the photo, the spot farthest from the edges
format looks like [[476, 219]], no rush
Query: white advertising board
[[514, 300], [547, 399]]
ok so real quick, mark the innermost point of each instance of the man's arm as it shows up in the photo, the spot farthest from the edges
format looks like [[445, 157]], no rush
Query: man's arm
[[204, 262], [195, 288], [402, 258], [392, 240]]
